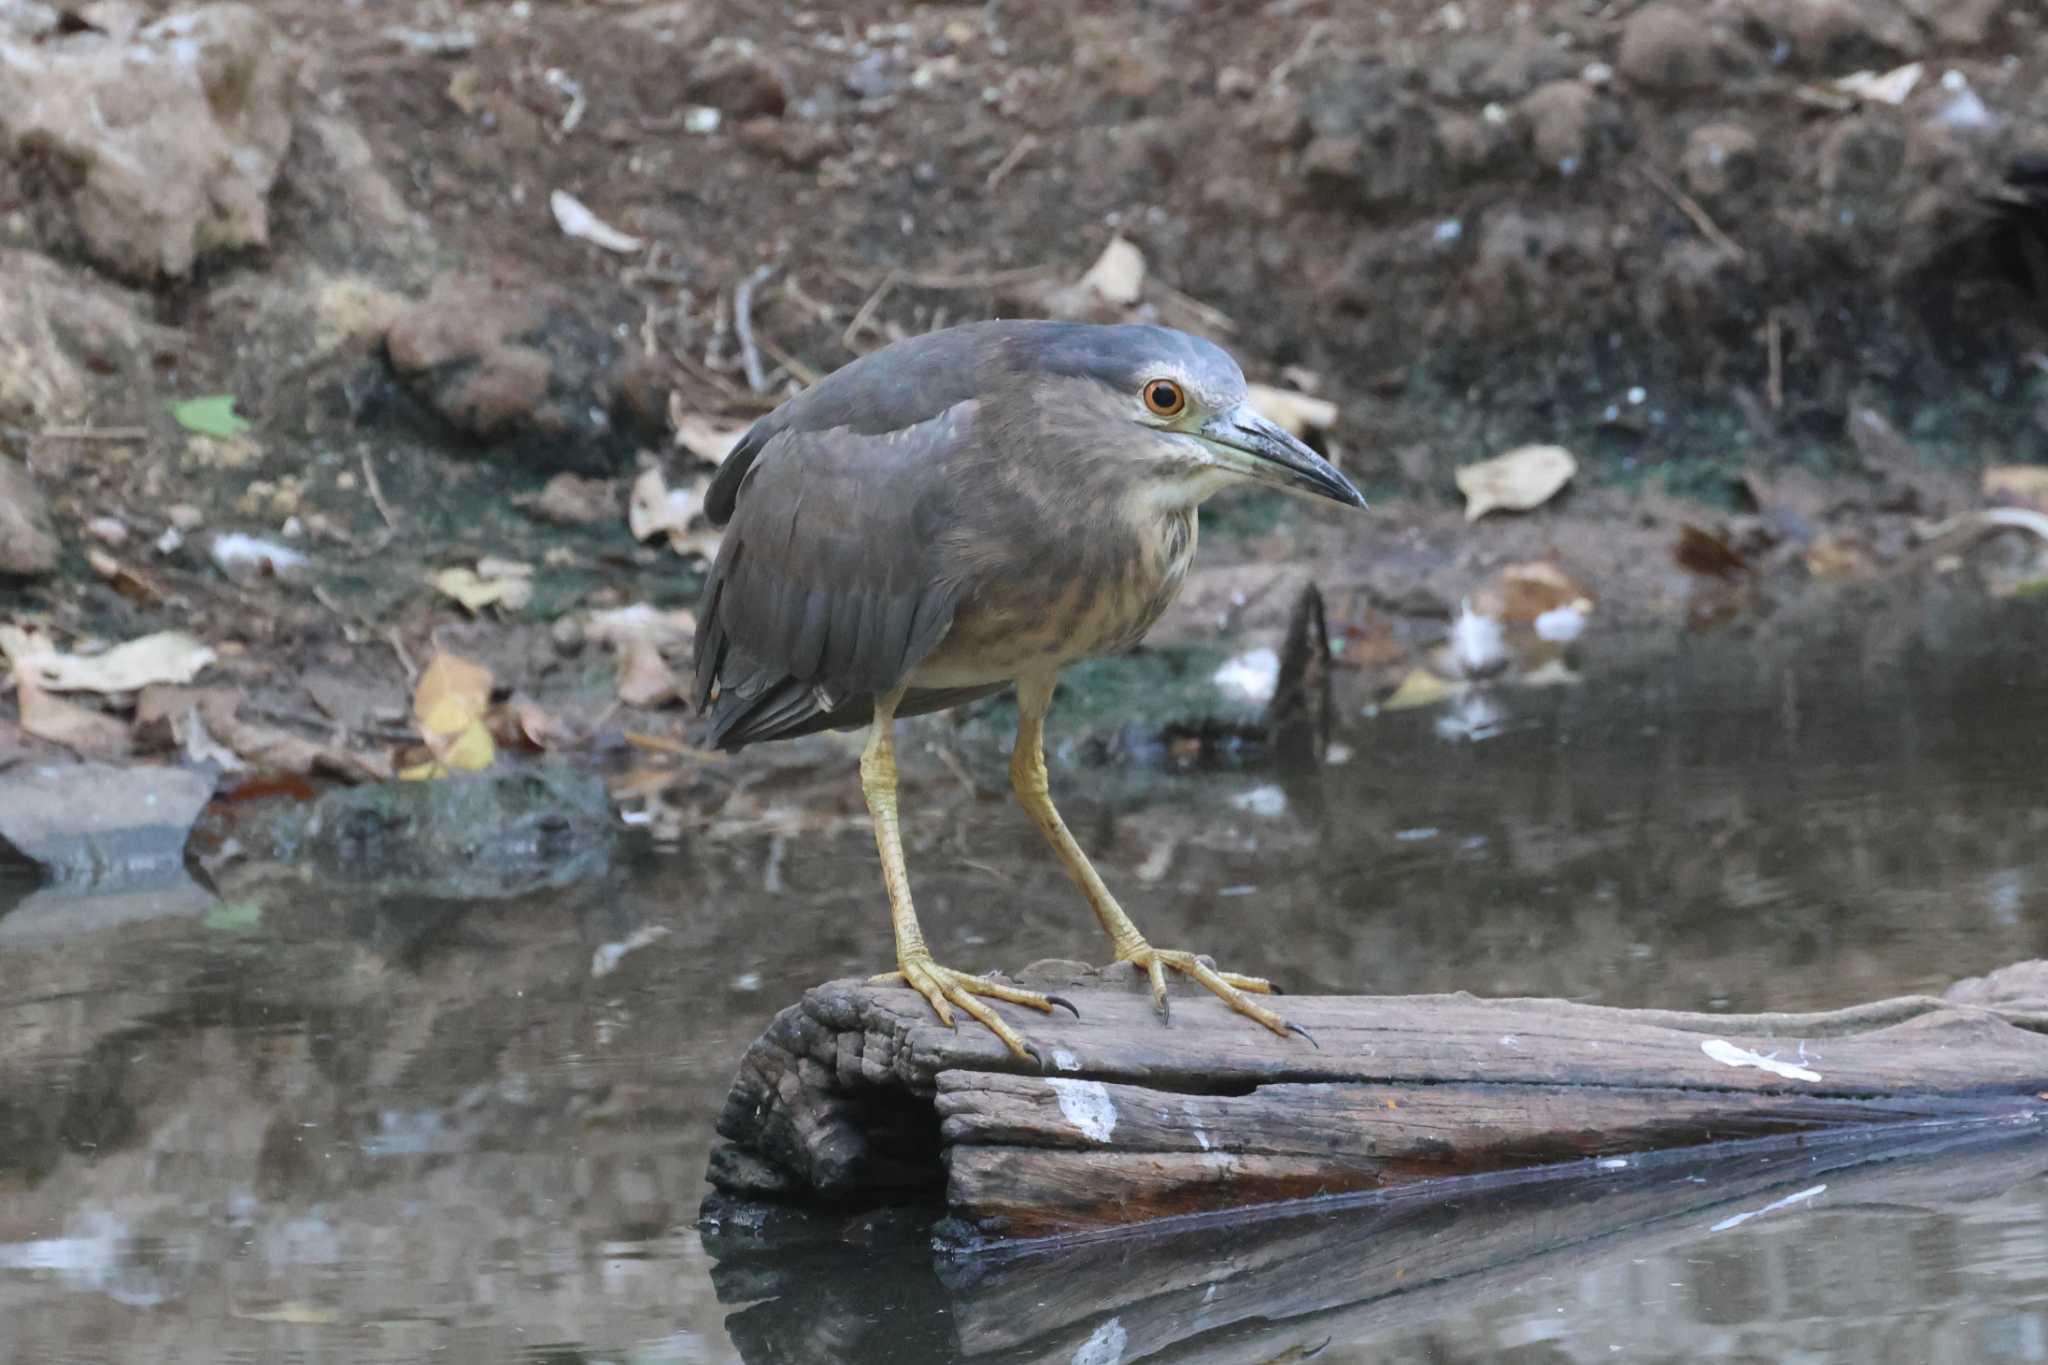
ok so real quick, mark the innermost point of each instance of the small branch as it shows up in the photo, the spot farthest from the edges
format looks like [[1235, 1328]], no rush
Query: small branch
[[805, 375], [743, 325], [1024, 147], [1774, 345], [867, 309], [1690, 207], [377, 493], [94, 433]]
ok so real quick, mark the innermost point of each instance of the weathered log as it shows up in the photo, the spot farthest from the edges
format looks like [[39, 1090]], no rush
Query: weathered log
[[856, 1096]]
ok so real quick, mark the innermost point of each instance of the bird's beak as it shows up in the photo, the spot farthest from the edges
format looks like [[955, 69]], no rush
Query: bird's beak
[[1248, 444]]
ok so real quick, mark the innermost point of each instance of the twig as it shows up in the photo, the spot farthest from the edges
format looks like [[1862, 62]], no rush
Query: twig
[[982, 279], [1690, 207], [94, 433], [1024, 147], [377, 493], [412, 670], [867, 309], [805, 375], [1774, 345], [743, 325]]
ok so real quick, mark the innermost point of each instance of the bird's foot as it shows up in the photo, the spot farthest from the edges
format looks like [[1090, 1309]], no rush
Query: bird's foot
[[945, 988], [1236, 991]]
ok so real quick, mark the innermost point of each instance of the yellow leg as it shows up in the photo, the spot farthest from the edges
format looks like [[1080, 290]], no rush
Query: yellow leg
[[1034, 793], [942, 986]]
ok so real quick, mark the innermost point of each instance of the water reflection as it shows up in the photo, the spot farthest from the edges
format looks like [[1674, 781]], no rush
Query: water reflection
[[323, 1127]]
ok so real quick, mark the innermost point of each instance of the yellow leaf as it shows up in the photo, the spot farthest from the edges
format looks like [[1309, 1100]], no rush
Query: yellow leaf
[[1420, 688], [473, 749]]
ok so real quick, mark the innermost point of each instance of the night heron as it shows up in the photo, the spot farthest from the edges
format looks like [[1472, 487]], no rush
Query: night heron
[[961, 511]]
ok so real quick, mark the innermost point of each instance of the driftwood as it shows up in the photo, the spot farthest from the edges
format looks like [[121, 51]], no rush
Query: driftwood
[[857, 1097]]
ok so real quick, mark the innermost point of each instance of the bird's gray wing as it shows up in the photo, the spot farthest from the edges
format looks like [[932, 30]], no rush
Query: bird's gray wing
[[827, 590]]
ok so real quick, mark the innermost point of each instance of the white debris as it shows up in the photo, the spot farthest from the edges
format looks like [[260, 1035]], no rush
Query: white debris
[[1065, 1060], [233, 551], [1250, 677], [1105, 1346], [1721, 1050], [1561, 625], [1477, 645], [579, 222], [1787, 1202], [702, 119], [1890, 87], [1086, 1105], [1268, 802], [608, 956]]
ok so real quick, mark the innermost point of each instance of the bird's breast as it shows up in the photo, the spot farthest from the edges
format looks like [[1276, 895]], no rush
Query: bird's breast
[[1057, 609]]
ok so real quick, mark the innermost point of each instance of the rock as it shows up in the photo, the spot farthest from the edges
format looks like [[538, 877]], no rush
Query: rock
[[793, 142], [1559, 117], [524, 372], [28, 546], [1719, 157], [71, 346], [99, 821], [1667, 47], [1370, 133], [1966, 23], [734, 76], [1861, 157], [1836, 36], [1497, 69], [169, 137]]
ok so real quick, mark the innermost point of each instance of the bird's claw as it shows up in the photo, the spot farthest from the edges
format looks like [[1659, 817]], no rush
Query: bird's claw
[[1064, 1004], [945, 989], [1234, 990]]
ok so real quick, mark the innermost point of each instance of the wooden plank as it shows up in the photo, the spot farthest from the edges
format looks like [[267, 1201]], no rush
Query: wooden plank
[[857, 1095]]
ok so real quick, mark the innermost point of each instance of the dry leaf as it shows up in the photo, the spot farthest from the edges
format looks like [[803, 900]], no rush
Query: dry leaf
[[1298, 413], [707, 438], [201, 720], [2023, 485], [572, 500], [1525, 591], [498, 582], [667, 629], [169, 656], [654, 508], [578, 221], [644, 677], [77, 728], [1525, 477], [1420, 688], [1892, 87], [1118, 275], [1835, 560], [450, 704], [1703, 552], [522, 721]]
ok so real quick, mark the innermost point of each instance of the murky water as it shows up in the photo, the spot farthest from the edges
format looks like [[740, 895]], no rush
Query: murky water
[[298, 1125]]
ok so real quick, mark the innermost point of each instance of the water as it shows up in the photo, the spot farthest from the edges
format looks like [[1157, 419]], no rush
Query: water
[[302, 1126]]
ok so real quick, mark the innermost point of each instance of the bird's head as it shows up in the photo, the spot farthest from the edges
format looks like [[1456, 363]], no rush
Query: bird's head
[[1179, 407]]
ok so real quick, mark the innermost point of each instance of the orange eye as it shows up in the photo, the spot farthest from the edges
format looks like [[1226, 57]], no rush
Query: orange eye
[[1165, 398]]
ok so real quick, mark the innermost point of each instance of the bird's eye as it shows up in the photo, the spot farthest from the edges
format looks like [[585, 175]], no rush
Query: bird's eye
[[1165, 397]]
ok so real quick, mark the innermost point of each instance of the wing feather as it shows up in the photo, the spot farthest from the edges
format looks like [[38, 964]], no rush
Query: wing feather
[[824, 595]]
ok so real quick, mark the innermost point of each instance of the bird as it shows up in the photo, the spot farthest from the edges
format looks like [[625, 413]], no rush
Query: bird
[[962, 511]]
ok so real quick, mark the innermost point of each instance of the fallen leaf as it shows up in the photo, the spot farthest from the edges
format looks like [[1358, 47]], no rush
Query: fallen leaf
[[572, 500], [494, 582], [709, 439], [644, 676], [577, 221], [1705, 553], [1420, 688], [1522, 592], [2024, 485], [1523, 478], [523, 722], [1890, 87], [449, 705], [1118, 275], [654, 509], [667, 629], [212, 415], [77, 728], [167, 657], [1299, 413], [191, 719], [1835, 560], [130, 583]]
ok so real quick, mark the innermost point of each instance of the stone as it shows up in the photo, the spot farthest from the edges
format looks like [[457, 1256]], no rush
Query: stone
[[1719, 157], [522, 371], [734, 76], [95, 820], [1838, 36], [28, 546], [169, 137], [71, 346], [1559, 117], [793, 142], [1966, 23], [1667, 47]]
